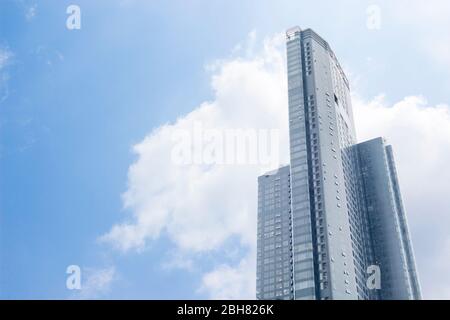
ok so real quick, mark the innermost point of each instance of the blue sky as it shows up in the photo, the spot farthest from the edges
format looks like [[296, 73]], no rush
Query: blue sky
[[73, 103]]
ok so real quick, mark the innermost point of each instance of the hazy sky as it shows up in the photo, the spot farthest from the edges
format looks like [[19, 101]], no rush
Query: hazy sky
[[87, 116]]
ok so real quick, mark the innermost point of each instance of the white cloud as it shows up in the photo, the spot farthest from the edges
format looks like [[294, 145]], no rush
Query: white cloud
[[95, 283], [5, 59], [178, 260], [438, 284], [226, 282], [30, 12], [29, 9], [201, 207], [183, 200], [428, 23]]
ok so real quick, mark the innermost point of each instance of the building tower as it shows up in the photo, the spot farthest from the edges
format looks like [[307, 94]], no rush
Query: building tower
[[346, 212]]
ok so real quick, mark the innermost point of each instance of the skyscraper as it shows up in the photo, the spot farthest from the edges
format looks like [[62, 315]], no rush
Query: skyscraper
[[274, 235], [337, 209], [391, 244]]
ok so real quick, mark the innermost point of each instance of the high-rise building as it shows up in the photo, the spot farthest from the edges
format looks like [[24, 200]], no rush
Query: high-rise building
[[336, 211], [391, 244], [274, 235]]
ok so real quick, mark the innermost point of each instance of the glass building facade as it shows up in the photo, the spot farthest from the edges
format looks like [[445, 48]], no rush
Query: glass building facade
[[392, 249], [274, 270], [343, 209]]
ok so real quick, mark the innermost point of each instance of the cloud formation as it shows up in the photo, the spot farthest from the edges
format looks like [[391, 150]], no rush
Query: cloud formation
[[5, 56], [202, 207], [231, 282], [5, 59], [30, 12], [429, 22], [29, 9]]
